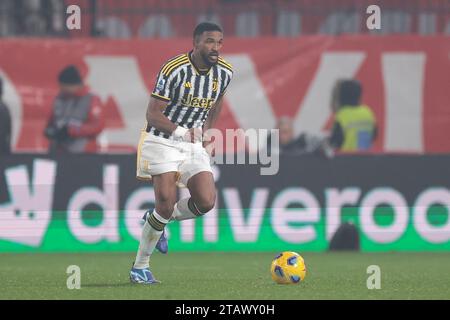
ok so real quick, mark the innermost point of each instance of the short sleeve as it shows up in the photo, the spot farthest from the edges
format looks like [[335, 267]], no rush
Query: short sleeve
[[162, 87], [227, 82]]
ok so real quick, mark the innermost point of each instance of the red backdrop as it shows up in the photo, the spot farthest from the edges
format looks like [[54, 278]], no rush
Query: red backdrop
[[287, 74]]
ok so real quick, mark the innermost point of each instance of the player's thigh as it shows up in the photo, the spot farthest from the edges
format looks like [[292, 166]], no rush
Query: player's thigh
[[203, 191], [156, 156], [165, 193]]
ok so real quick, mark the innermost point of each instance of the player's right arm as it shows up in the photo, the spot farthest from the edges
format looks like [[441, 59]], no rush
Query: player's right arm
[[160, 97], [157, 119]]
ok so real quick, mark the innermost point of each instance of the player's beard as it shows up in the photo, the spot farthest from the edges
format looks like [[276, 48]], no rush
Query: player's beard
[[206, 60]]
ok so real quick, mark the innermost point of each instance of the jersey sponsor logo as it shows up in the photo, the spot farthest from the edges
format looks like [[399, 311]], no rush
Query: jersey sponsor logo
[[196, 102], [160, 85]]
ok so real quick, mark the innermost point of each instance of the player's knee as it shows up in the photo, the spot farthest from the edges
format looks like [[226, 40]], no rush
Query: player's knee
[[164, 207], [206, 203]]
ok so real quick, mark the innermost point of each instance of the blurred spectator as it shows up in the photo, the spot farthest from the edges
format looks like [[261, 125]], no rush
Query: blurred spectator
[[32, 17], [6, 18], [5, 125], [56, 16], [286, 131], [286, 134], [354, 128], [289, 144], [77, 116]]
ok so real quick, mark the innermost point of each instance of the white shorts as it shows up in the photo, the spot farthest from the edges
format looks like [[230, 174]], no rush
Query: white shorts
[[157, 155]]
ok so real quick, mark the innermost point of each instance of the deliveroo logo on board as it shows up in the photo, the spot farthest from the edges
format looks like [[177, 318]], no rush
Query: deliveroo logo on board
[[25, 217]]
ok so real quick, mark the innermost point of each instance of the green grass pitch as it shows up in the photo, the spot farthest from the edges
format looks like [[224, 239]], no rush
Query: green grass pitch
[[225, 275]]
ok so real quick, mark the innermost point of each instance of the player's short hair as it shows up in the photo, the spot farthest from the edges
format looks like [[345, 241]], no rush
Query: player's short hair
[[206, 26], [349, 92]]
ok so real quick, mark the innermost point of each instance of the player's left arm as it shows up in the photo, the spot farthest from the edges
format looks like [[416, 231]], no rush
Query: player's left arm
[[213, 115]]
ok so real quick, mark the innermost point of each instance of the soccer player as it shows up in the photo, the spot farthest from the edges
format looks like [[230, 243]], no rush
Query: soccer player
[[185, 102]]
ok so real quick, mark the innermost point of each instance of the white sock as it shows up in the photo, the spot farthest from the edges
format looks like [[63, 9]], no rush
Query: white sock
[[181, 211], [151, 232]]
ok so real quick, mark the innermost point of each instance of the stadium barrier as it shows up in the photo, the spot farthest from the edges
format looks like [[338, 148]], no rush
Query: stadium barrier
[[251, 18], [94, 203]]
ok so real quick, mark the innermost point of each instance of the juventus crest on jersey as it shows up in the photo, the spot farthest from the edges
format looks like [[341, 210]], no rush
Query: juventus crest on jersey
[[189, 92]]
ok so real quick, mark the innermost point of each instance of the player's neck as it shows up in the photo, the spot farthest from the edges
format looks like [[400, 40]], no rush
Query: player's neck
[[198, 62]]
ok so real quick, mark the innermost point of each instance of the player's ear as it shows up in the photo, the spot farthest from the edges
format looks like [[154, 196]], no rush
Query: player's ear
[[195, 40]]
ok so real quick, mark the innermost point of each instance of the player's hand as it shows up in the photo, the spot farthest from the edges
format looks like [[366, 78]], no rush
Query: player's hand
[[208, 144], [194, 135]]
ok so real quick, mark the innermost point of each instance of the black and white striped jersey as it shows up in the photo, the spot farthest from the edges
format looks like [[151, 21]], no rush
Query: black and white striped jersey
[[189, 92]]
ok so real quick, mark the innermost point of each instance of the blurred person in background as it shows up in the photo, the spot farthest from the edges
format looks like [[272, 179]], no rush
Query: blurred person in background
[[7, 21], [286, 132], [5, 125], [354, 127], [32, 17], [289, 144], [77, 116]]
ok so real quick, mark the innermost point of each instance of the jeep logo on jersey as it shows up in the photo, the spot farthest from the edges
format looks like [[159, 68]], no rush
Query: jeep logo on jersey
[[196, 102]]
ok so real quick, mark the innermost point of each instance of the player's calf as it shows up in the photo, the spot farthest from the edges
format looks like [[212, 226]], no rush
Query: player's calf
[[163, 243], [187, 208]]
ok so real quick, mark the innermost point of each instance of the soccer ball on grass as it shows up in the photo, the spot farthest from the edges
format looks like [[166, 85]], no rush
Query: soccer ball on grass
[[288, 268]]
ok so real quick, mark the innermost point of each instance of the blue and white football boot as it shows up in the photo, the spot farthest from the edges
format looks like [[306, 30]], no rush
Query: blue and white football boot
[[163, 243], [143, 276]]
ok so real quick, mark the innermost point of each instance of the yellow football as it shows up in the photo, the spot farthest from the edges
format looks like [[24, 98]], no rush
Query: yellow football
[[288, 268]]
